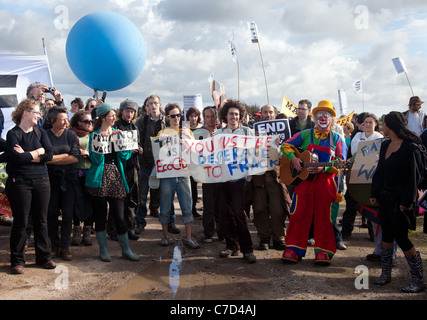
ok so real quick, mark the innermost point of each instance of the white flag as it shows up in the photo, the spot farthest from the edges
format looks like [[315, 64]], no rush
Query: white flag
[[254, 31], [358, 86], [399, 64], [233, 49], [343, 101], [17, 72]]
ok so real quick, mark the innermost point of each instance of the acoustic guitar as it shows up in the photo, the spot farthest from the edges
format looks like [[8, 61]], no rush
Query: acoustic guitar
[[290, 175]]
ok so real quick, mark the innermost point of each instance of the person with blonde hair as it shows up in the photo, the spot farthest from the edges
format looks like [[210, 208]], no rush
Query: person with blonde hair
[[27, 186]]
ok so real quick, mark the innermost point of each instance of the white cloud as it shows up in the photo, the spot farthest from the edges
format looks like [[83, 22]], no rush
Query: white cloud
[[310, 48]]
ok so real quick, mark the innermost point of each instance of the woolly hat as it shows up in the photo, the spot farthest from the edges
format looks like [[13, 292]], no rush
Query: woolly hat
[[103, 109], [324, 105], [129, 104]]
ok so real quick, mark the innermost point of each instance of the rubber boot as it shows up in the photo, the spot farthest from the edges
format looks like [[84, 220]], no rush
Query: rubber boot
[[87, 241], [102, 242], [124, 244], [416, 265], [76, 239], [386, 262]]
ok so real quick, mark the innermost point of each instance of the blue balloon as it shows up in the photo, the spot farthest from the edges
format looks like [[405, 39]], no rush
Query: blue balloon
[[105, 51]]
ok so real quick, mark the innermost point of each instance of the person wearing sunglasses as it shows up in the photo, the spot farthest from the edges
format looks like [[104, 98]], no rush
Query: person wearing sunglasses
[[180, 185], [82, 124]]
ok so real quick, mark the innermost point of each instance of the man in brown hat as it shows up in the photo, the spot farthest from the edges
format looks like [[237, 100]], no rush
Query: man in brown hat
[[417, 119]]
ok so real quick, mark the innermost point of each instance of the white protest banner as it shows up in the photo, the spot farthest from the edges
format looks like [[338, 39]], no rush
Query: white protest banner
[[126, 140], [17, 72], [342, 97], [274, 127], [101, 144], [227, 157], [365, 162], [168, 156], [194, 100], [399, 64]]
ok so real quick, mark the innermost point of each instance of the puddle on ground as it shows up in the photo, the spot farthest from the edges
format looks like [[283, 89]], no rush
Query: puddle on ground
[[164, 280], [158, 281]]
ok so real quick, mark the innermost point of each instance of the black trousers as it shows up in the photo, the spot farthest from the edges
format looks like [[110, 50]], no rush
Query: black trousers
[[29, 197], [112, 206], [233, 217], [211, 215]]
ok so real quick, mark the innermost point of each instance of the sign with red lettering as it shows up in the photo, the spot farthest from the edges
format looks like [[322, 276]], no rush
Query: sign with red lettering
[[221, 158]]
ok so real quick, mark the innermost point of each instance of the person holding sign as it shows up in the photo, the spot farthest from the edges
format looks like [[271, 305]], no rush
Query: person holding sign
[[127, 113], [106, 182], [180, 185], [232, 193], [395, 188], [271, 200], [314, 197]]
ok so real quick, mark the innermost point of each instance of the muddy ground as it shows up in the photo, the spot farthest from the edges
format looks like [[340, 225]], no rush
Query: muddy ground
[[178, 273]]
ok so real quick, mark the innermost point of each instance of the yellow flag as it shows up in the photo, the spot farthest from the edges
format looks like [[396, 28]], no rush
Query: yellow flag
[[288, 107], [343, 120]]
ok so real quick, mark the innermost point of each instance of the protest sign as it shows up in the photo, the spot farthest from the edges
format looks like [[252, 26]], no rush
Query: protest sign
[[365, 162], [126, 140], [194, 100], [101, 144], [168, 156], [345, 119], [274, 127], [288, 107], [220, 158]]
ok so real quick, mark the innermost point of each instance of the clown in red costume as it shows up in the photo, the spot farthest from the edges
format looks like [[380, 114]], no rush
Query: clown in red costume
[[312, 199]]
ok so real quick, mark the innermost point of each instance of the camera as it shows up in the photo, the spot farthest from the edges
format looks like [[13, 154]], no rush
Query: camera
[[51, 90]]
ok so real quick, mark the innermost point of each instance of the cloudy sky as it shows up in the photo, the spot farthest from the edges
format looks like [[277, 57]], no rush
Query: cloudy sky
[[310, 48]]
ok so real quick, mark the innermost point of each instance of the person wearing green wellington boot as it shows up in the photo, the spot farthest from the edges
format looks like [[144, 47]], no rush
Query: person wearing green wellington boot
[[106, 182]]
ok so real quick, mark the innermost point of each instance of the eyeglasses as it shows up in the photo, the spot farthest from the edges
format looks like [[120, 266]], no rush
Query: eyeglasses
[[173, 116], [301, 109], [36, 112], [88, 121]]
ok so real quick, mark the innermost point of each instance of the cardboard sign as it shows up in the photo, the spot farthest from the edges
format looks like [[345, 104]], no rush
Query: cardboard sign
[[274, 127], [168, 156], [101, 144], [365, 162], [288, 107], [126, 140]]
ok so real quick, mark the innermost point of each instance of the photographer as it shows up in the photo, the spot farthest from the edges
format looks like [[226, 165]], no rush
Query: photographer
[[38, 91]]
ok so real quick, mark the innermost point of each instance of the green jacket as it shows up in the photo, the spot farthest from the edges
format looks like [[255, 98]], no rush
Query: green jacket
[[96, 170]]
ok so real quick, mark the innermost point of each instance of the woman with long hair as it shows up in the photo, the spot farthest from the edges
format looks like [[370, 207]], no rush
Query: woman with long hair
[[395, 189], [27, 186], [106, 183]]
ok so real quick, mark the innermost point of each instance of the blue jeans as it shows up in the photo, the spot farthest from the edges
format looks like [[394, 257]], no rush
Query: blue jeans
[[182, 187]]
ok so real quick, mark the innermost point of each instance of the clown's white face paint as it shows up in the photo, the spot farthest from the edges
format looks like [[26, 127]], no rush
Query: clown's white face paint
[[323, 120]]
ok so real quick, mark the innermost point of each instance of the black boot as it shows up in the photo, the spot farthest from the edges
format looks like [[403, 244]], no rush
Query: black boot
[[386, 262], [416, 265]]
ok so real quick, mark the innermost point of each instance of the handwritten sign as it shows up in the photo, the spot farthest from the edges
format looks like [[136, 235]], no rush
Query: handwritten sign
[[220, 158], [168, 157], [343, 120], [126, 140], [365, 162], [101, 144], [274, 127]]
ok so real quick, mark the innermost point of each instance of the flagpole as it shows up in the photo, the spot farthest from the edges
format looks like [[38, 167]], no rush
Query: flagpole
[[47, 59], [238, 79], [265, 78], [406, 74]]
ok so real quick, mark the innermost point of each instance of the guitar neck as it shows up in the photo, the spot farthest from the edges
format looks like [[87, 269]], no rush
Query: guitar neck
[[318, 164]]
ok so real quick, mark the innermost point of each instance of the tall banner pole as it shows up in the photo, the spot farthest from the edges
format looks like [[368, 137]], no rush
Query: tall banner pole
[[254, 38], [400, 66]]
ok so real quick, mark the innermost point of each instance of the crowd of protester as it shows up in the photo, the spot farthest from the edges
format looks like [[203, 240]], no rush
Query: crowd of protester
[[54, 173]]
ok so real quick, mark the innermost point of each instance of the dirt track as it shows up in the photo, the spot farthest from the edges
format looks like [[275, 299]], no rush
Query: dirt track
[[175, 272]]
